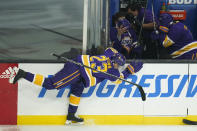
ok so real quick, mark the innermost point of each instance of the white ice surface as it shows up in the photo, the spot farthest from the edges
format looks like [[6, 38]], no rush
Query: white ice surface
[[99, 128]]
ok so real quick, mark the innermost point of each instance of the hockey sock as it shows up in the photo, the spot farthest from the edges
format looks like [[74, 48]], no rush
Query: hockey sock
[[73, 105], [37, 79]]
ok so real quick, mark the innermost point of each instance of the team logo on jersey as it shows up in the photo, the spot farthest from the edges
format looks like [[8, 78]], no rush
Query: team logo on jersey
[[7, 72], [126, 40]]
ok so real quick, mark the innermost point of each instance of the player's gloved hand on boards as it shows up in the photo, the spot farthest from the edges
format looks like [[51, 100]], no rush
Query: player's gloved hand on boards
[[134, 67]]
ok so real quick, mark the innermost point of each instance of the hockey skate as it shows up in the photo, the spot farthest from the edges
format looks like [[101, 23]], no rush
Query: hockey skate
[[72, 119], [16, 75]]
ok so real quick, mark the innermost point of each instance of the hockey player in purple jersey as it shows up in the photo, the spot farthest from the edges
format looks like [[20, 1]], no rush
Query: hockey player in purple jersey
[[80, 77], [125, 40], [144, 18], [176, 38]]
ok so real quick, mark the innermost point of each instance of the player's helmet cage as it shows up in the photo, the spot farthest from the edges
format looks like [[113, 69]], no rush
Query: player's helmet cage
[[114, 56], [165, 20]]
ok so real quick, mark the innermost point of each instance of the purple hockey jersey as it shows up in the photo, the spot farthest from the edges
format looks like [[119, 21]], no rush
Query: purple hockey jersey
[[101, 63], [128, 39], [179, 42]]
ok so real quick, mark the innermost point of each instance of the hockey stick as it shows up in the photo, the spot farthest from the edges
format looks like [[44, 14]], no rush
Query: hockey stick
[[141, 28], [143, 96], [155, 29], [189, 122]]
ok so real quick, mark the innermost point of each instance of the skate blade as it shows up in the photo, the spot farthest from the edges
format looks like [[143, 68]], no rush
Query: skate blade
[[73, 123], [12, 75]]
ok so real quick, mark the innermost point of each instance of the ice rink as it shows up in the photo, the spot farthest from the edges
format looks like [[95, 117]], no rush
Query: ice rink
[[99, 128]]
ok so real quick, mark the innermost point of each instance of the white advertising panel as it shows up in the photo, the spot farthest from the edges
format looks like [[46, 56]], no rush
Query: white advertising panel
[[104, 99], [166, 87]]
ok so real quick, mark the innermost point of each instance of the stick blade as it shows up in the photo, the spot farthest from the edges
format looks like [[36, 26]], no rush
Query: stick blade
[[189, 122], [143, 95]]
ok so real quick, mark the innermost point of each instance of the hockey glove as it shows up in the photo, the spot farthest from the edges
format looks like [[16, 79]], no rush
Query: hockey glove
[[134, 67]]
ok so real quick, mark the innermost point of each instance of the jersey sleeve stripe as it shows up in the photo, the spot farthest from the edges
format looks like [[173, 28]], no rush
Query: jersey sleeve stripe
[[164, 29], [131, 69]]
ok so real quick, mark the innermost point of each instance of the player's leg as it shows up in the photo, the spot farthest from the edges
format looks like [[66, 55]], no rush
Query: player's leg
[[76, 91], [36, 79], [190, 55], [67, 75]]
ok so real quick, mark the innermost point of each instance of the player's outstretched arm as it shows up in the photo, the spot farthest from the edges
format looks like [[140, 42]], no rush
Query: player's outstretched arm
[[132, 68]]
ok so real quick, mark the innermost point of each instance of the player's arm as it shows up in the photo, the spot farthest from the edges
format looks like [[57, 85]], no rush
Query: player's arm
[[167, 37], [110, 71], [116, 73], [132, 68], [148, 26], [167, 41], [170, 36]]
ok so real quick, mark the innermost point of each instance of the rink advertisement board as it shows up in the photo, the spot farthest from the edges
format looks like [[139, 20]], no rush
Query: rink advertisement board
[[170, 89]]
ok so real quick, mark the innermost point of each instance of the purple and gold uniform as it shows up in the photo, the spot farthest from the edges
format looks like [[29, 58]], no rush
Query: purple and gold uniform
[[80, 77], [127, 39], [177, 39]]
